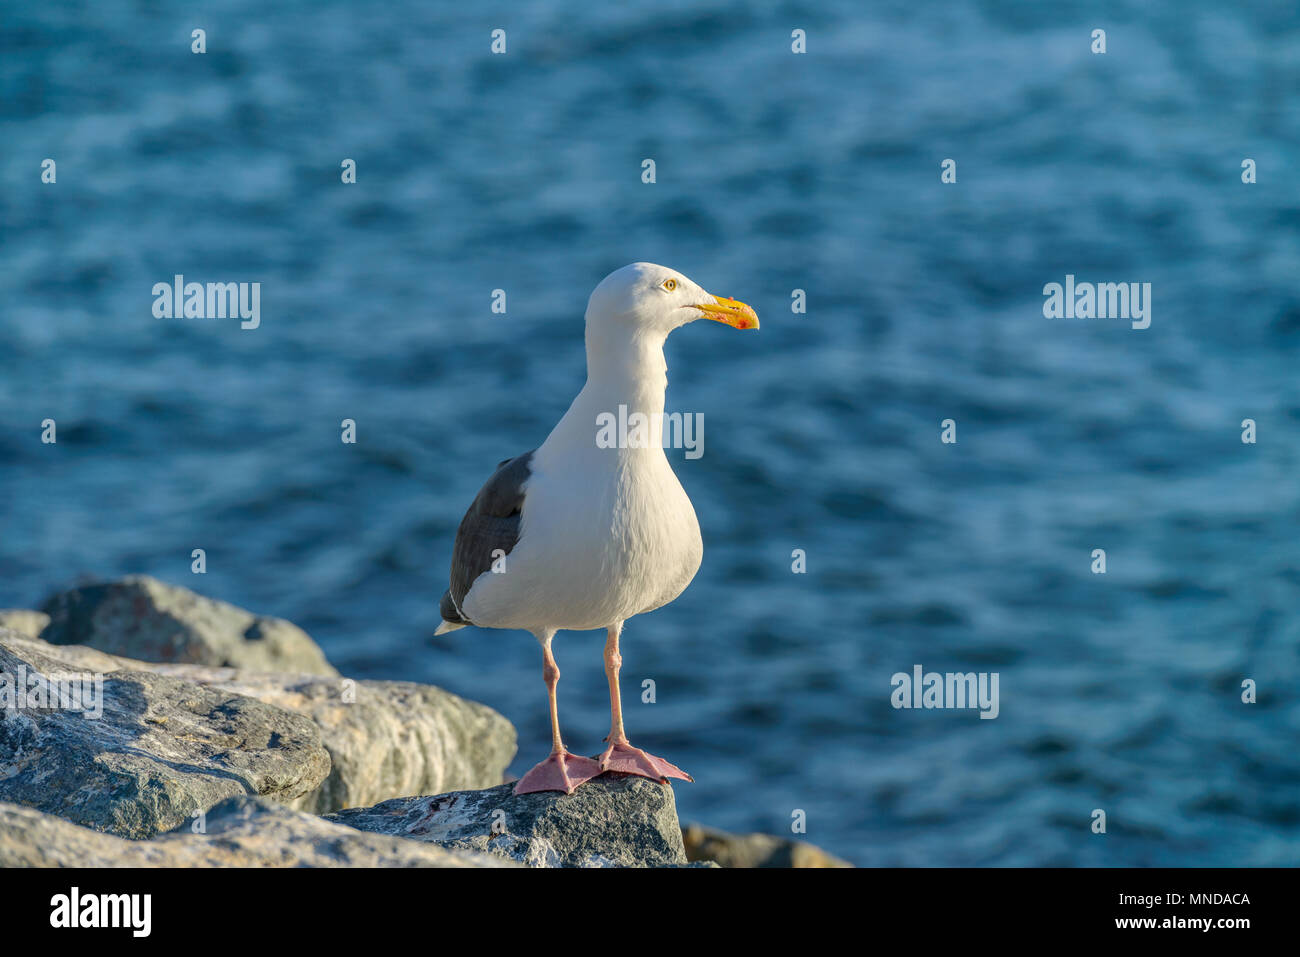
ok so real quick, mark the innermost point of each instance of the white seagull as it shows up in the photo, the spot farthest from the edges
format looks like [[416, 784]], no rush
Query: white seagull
[[594, 534]]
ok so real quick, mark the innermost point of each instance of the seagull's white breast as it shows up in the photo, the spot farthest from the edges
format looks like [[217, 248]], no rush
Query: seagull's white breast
[[605, 534]]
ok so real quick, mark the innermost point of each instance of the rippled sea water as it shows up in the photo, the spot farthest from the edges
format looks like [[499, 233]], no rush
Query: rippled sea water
[[774, 172]]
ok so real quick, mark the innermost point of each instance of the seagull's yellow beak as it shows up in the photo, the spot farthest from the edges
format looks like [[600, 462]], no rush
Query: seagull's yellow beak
[[731, 311]]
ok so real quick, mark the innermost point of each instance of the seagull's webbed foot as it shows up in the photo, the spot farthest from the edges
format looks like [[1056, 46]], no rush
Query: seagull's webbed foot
[[621, 756], [561, 771]]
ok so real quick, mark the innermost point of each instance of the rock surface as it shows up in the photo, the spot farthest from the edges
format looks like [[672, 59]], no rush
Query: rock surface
[[238, 832], [611, 821], [384, 738], [143, 618], [238, 723], [77, 657], [161, 749], [753, 850], [23, 621]]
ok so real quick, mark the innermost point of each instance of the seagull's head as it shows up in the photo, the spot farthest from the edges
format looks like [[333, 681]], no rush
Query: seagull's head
[[650, 298]]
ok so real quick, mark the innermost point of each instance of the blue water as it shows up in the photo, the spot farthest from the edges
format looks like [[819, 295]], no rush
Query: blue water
[[774, 172]]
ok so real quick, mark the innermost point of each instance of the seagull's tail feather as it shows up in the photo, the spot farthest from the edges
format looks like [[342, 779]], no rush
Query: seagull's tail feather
[[452, 617]]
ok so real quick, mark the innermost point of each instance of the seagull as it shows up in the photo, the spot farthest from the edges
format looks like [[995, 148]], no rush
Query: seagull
[[583, 533]]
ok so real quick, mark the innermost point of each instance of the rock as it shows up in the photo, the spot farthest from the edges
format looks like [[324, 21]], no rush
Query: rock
[[394, 738], [77, 657], [611, 821], [160, 749], [238, 832], [143, 618], [23, 621], [385, 738], [753, 850]]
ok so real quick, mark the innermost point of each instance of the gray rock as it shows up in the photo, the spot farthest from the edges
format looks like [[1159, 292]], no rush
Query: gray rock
[[612, 821], [161, 749], [238, 832], [23, 621], [384, 738], [78, 657], [141, 617], [754, 850]]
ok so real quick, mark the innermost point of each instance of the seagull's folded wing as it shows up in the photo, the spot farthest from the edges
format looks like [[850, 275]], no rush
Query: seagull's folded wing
[[489, 529]]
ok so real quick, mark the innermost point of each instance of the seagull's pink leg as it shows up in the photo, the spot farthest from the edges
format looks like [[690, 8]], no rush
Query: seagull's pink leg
[[561, 771], [620, 755]]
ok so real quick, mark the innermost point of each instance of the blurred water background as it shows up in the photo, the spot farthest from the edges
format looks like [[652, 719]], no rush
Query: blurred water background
[[775, 172]]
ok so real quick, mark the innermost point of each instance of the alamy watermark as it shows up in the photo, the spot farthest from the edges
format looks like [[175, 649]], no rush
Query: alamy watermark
[[637, 430], [74, 909], [33, 691], [930, 689], [179, 299], [1103, 300]]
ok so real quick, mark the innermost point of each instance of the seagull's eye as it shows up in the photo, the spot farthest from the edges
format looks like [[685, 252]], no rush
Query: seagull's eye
[[670, 284]]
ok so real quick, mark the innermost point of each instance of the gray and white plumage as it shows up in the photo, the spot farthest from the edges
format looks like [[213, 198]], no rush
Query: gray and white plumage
[[489, 529], [591, 535]]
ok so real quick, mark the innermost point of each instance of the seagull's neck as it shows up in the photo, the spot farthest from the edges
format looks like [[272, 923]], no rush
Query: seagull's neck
[[627, 371], [621, 371]]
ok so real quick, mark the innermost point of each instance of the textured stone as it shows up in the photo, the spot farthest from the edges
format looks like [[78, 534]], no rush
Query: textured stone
[[161, 749], [238, 832], [23, 621], [143, 618], [611, 821], [753, 850], [394, 737], [385, 738], [78, 657]]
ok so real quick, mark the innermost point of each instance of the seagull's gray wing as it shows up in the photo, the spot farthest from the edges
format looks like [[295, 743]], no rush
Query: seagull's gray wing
[[491, 523]]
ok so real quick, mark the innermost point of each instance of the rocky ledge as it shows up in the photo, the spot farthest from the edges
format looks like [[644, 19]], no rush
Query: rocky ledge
[[143, 618], [216, 737], [753, 850], [160, 750], [237, 832], [614, 820]]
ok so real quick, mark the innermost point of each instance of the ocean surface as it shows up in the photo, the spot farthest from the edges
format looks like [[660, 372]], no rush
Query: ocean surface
[[774, 172]]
